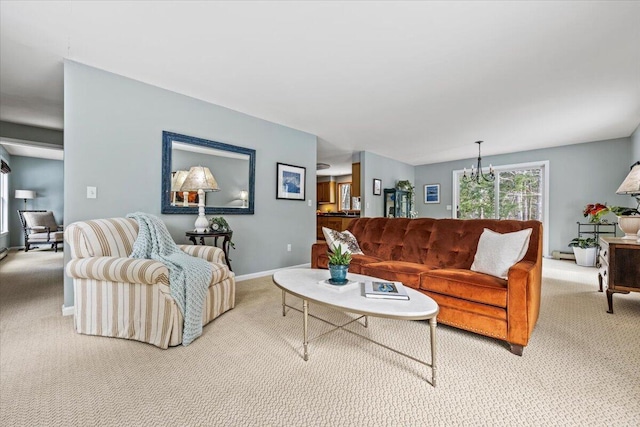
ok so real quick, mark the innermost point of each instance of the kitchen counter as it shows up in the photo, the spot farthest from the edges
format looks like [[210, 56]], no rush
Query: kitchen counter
[[340, 214]]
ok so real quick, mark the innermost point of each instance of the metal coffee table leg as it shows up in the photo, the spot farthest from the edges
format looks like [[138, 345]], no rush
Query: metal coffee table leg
[[305, 310], [284, 304], [432, 324]]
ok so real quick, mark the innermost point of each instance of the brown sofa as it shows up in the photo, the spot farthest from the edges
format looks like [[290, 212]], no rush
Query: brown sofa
[[434, 256]]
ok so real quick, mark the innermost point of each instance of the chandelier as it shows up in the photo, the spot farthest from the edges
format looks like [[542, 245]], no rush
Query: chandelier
[[476, 173]]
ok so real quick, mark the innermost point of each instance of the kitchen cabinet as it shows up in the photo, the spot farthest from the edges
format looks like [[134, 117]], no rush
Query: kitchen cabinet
[[355, 180], [326, 192]]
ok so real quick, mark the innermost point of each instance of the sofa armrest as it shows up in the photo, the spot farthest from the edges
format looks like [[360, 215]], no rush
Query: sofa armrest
[[209, 253], [317, 249], [115, 269], [523, 300]]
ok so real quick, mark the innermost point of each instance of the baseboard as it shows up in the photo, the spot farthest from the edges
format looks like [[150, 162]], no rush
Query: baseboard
[[563, 255], [67, 311], [3, 252], [268, 272]]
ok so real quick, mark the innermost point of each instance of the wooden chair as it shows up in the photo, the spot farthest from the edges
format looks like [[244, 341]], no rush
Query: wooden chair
[[40, 228]]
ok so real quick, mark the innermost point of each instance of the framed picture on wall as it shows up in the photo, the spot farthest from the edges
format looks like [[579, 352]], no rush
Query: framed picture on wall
[[377, 187], [432, 193], [290, 182]]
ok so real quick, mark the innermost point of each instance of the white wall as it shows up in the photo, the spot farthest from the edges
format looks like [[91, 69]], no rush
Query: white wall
[[113, 141]]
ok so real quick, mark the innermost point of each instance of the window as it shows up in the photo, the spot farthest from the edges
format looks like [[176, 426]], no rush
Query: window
[[519, 192], [344, 196]]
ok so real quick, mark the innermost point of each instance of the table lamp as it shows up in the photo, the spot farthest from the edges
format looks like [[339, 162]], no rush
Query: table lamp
[[176, 185], [25, 194], [244, 195], [200, 179], [631, 187]]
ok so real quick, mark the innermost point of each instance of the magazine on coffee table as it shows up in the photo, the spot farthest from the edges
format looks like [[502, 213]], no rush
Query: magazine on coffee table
[[385, 290]]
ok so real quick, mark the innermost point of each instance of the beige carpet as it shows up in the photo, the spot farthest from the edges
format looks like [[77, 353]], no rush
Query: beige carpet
[[580, 368]]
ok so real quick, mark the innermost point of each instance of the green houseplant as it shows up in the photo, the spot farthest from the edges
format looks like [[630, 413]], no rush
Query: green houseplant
[[585, 250], [339, 265], [628, 218]]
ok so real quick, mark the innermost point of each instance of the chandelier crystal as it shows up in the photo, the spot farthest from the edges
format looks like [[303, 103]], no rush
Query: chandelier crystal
[[476, 172]]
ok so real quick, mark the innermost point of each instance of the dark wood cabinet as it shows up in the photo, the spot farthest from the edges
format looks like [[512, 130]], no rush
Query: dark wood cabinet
[[619, 267], [326, 192], [355, 180]]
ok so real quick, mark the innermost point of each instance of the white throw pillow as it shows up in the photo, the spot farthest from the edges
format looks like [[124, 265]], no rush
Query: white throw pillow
[[344, 239], [497, 252]]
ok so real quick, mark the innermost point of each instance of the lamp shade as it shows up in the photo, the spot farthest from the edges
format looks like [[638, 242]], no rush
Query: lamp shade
[[631, 184], [199, 178], [178, 180], [25, 194]]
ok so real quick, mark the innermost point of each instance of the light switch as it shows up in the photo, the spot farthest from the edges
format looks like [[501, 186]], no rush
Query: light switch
[[309, 202], [92, 192]]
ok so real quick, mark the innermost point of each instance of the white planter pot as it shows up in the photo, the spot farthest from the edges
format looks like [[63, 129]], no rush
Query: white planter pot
[[586, 257]]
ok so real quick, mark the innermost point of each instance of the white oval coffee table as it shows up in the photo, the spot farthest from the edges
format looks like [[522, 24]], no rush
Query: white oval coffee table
[[304, 283]]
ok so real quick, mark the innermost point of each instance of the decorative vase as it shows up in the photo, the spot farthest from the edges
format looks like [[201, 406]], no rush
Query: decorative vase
[[338, 274], [630, 225], [586, 257]]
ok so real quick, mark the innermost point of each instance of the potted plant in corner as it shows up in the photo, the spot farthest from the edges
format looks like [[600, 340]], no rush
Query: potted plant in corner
[[585, 250], [339, 265]]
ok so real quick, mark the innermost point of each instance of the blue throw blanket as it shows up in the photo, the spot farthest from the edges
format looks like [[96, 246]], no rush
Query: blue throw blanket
[[189, 276]]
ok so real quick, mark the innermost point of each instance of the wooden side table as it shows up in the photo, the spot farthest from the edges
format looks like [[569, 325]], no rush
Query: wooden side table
[[619, 267], [215, 234]]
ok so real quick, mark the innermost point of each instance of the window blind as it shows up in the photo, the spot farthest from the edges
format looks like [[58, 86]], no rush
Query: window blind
[[4, 167]]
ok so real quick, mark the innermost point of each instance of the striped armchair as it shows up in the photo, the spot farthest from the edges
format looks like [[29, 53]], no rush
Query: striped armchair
[[118, 296]]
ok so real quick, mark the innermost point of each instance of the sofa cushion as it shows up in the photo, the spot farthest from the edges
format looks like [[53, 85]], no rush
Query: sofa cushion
[[497, 252], [357, 261], [56, 236], [399, 271], [466, 284], [401, 239], [40, 219], [344, 239], [454, 242]]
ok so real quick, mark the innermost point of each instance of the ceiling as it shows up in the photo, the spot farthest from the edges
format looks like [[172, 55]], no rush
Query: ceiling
[[418, 82]]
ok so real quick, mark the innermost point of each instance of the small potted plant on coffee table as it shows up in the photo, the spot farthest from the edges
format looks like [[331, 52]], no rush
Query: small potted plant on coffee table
[[585, 250], [339, 265]]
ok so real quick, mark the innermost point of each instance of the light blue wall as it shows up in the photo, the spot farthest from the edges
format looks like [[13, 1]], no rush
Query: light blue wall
[[635, 144], [579, 174], [25, 174], [113, 141], [389, 171], [43, 176]]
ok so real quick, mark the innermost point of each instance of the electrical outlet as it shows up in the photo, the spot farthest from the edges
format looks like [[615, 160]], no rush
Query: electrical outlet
[[448, 207], [289, 247], [92, 193]]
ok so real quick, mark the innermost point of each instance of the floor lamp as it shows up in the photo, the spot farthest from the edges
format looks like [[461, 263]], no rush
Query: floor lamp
[[25, 194]]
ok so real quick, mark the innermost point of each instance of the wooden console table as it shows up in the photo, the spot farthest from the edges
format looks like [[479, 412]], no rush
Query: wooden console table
[[215, 234], [619, 267]]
